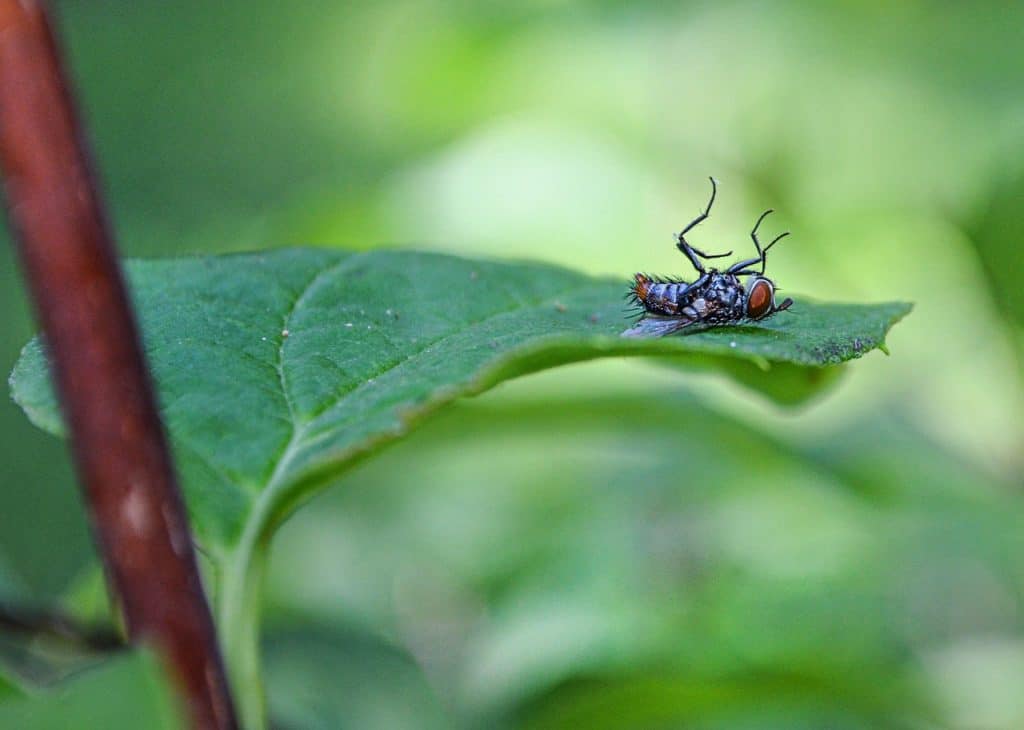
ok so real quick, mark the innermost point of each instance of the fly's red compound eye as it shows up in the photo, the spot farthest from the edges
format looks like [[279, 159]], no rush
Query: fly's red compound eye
[[759, 300]]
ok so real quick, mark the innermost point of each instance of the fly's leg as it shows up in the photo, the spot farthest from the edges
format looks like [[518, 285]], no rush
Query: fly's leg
[[764, 253], [692, 253], [753, 233], [740, 268], [701, 281]]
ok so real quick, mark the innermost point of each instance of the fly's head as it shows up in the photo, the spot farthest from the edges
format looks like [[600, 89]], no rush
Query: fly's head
[[759, 300]]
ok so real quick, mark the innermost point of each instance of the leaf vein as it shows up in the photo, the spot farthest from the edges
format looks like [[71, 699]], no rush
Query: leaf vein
[[339, 398]]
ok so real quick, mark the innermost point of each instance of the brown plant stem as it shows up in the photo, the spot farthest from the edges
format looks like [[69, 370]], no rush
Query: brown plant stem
[[123, 462]]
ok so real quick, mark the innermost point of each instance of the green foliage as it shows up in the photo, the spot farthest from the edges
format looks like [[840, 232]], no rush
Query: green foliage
[[8, 687], [761, 700], [692, 566], [996, 229], [321, 679], [126, 692], [587, 545]]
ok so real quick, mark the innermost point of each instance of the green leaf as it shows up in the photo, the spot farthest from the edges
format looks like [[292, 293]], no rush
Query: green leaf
[[8, 686], [320, 678], [995, 229], [760, 700], [127, 692], [278, 370]]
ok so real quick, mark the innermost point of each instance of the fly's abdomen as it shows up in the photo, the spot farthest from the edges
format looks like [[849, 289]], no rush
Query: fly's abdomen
[[657, 297]]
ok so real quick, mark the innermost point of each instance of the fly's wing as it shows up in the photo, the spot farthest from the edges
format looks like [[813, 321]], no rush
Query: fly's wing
[[654, 326]]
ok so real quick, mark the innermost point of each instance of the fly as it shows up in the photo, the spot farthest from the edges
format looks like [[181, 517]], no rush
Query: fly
[[715, 298]]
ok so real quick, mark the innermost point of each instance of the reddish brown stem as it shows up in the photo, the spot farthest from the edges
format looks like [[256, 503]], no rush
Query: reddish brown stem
[[120, 450]]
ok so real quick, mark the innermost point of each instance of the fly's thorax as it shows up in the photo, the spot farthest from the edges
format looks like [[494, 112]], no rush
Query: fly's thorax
[[724, 295]]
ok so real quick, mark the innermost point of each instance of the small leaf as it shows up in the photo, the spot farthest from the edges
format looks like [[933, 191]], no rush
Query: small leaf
[[763, 699], [8, 686], [330, 677], [995, 229]]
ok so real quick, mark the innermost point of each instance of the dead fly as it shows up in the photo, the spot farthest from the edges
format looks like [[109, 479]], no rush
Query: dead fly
[[715, 298]]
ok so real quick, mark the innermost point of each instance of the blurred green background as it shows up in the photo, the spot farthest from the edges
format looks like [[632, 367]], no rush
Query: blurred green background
[[610, 544]]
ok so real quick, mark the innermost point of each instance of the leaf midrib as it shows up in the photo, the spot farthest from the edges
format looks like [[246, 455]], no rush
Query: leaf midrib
[[278, 478], [296, 427]]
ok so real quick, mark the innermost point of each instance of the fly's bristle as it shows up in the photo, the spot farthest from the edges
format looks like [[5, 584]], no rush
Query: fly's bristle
[[641, 286]]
